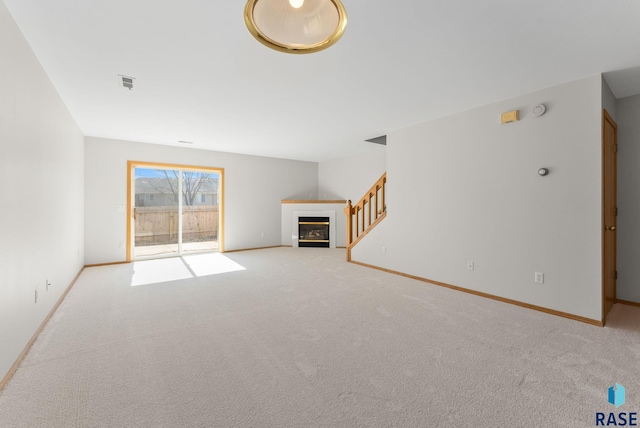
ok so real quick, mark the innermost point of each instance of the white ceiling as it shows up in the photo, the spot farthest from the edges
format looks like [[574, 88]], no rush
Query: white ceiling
[[201, 77]]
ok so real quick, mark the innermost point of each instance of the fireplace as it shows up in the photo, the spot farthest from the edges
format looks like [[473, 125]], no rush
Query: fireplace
[[313, 232]]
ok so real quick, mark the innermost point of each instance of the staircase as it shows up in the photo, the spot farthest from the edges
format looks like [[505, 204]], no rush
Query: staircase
[[366, 214]]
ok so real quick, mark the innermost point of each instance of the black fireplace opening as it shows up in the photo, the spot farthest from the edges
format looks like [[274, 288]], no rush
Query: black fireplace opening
[[313, 232]]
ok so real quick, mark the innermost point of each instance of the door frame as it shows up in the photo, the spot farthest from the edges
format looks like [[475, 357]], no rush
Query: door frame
[[606, 117], [132, 165]]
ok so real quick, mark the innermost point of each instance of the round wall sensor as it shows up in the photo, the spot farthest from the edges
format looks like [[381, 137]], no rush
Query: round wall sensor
[[543, 171], [539, 110]]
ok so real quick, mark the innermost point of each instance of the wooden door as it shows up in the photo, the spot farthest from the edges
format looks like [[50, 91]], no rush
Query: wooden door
[[609, 212]]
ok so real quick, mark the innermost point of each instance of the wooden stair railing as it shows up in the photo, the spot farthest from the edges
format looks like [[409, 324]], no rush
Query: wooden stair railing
[[366, 214]]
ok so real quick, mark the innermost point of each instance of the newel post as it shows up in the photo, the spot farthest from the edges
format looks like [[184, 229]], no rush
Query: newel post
[[348, 211]]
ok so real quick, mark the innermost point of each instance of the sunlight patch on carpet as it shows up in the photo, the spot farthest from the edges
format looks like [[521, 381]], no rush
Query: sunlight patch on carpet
[[177, 268]]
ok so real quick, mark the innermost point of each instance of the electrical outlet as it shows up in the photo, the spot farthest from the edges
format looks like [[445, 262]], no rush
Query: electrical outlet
[[36, 297], [383, 250], [121, 244], [539, 277], [262, 235], [470, 265]]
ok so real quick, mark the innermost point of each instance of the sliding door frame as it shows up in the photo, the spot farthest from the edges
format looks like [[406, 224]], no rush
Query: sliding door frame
[[132, 165]]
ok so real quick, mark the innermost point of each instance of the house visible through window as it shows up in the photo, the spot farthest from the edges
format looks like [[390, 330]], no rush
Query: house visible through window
[[203, 198], [152, 197]]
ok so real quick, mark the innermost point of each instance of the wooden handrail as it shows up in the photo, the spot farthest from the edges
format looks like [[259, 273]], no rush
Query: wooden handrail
[[366, 214]]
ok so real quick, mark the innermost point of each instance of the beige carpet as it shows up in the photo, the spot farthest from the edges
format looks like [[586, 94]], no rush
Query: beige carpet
[[290, 337]]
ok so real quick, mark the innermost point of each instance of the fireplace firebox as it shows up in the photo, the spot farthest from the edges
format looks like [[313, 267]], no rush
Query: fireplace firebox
[[313, 232]]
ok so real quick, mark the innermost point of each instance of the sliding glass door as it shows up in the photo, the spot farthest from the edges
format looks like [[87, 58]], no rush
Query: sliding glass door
[[200, 214], [176, 210]]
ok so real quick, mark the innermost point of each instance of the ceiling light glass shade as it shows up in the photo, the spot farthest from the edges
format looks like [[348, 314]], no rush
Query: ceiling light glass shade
[[296, 26]]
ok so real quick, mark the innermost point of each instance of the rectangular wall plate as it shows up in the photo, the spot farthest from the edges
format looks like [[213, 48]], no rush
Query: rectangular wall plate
[[510, 116]]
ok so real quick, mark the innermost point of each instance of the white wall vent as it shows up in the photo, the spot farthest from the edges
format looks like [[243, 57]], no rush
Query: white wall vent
[[125, 81], [378, 140]]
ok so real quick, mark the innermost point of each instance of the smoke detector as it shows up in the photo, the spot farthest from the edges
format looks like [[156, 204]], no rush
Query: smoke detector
[[126, 81]]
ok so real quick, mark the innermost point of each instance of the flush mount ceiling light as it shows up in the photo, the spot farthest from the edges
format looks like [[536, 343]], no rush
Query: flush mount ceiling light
[[296, 26]]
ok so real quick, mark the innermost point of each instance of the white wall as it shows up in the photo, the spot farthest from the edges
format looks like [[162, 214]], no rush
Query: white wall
[[351, 177], [628, 120], [609, 101], [466, 188], [253, 189], [41, 197]]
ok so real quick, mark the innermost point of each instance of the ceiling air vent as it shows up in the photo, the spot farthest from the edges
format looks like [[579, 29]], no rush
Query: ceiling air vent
[[126, 82], [378, 140]]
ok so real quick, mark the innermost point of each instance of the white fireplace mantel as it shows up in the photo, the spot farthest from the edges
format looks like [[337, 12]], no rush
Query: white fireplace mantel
[[333, 209]]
